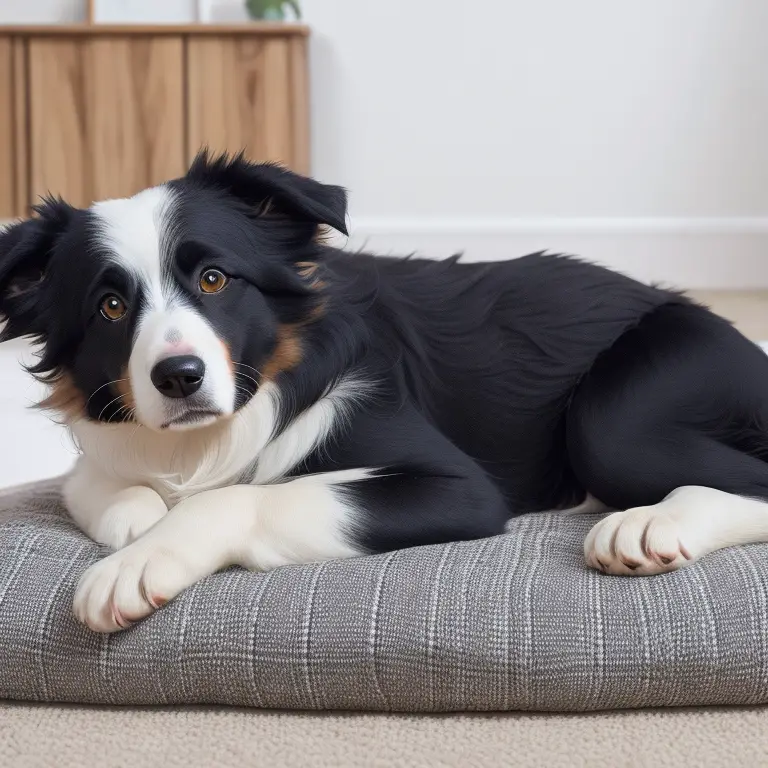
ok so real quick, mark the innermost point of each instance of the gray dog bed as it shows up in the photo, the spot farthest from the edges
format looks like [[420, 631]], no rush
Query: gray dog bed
[[512, 622]]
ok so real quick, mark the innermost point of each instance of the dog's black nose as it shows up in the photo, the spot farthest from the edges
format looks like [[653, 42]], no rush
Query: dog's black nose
[[179, 376]]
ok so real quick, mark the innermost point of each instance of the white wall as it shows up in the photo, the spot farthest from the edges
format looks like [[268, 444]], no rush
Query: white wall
[[631, 132], [41, 11], [32, 447], [555, 108]]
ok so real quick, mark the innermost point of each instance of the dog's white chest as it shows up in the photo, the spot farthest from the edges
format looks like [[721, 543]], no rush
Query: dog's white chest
[[180, 464]]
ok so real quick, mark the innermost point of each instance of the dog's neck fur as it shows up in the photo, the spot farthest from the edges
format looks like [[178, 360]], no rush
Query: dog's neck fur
[[243, 448]]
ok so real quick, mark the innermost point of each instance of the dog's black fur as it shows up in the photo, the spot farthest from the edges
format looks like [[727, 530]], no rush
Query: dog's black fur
[[495, 389], [518, 386]]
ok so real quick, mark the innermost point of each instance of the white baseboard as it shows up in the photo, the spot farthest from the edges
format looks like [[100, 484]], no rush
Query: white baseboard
[[700, 253]]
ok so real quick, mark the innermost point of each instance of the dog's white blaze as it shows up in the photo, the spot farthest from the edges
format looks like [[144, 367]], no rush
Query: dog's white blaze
[[192, 335], [137, 233], [134, 231]]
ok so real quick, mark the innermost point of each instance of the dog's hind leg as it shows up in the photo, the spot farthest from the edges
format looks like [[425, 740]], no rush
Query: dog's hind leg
[[671, 426]]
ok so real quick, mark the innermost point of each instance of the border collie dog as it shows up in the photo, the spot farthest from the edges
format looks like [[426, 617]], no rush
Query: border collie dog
[[242, 393]]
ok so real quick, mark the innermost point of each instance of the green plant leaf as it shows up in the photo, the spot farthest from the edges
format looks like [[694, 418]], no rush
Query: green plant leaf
[[295, 6]]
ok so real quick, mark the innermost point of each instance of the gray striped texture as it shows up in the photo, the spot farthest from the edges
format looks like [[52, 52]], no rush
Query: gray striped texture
[[513, 622]]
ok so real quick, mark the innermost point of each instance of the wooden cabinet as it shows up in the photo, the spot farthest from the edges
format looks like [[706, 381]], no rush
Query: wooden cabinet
[[264, 105], [14, 194], [94, 112], [106, 116]]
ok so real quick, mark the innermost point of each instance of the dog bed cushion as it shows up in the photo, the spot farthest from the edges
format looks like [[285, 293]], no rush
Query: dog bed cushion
[[512, 622]]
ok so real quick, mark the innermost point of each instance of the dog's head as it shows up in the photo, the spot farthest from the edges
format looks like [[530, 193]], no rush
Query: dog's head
[[172, 307]]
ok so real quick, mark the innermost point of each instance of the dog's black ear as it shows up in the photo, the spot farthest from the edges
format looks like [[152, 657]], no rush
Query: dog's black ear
[[266, 185], [25, 250]]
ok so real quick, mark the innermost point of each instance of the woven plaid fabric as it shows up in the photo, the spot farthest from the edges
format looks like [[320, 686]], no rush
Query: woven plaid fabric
[[512, 622]]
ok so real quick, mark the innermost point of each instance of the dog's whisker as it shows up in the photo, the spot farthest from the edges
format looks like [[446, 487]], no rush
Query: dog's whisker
[[98, 418], [115, 381], [125, 410], [246, 376], [256, 370]]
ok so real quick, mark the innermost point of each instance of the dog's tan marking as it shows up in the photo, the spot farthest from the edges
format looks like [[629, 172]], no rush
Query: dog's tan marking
[[308, 270], [317, 313], [287, 352], [64, 398]]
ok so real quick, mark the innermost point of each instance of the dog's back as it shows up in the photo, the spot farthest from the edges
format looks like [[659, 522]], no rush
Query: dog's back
[[492, 352]]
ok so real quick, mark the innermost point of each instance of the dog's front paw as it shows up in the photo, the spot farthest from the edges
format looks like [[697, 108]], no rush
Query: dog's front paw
[[638, 542], [124, 523], [129, 585]]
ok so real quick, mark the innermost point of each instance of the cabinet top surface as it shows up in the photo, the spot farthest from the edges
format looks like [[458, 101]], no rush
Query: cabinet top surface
[[69, 30]]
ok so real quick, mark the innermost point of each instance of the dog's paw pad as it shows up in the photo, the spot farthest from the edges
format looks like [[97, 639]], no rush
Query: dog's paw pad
[[637, 542]]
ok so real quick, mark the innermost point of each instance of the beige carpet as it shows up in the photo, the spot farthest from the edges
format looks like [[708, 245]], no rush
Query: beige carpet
[[76, 737], [33, 736], [748, 309]]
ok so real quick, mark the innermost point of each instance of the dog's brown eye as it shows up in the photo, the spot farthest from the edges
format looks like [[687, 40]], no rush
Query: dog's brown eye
[[213, 281], [113, 307]]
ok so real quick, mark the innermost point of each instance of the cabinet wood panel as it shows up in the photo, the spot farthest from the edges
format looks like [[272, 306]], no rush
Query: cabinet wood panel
[[118, 111], [239, 94], [7, 165], [95, 112], [135, 113], [13, 156], [58, 134], [23, 200], [300, 105]]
